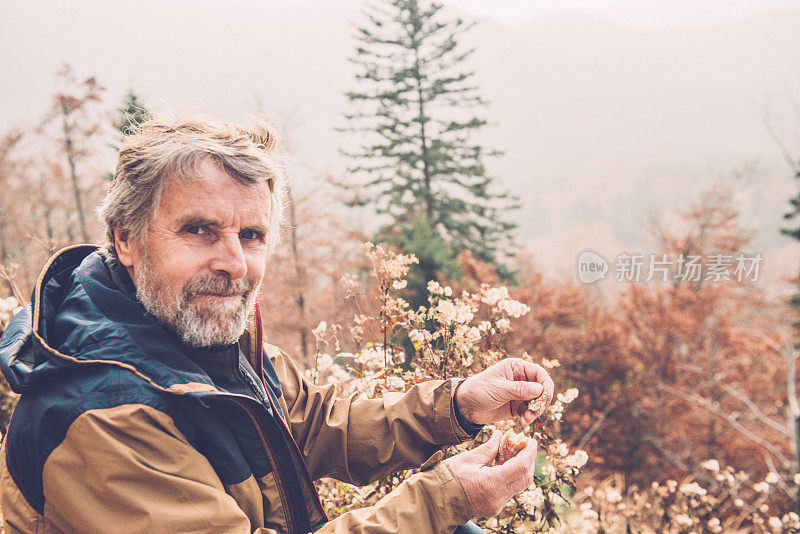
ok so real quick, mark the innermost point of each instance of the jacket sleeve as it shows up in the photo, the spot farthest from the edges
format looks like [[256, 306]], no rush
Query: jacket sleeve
[[359, 440], [129, 469], [431, 501]]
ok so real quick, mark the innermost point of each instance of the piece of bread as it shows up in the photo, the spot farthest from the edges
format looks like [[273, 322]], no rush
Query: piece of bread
[[511, 444]]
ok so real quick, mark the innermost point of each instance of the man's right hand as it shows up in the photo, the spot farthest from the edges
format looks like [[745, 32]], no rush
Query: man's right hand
[[488, 488]]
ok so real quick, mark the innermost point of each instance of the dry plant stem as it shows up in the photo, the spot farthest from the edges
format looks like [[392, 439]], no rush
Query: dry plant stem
[[708, 405], [755, 410], [385, 328], [361, 312], [790, 354], [14, 289], [746, 512], [789, 492], [73, 174], [595, 427], [316, 360], [794, 415], [300, 299]]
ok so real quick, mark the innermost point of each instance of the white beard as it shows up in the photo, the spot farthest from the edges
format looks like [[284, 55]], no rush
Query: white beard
[[198, 320]]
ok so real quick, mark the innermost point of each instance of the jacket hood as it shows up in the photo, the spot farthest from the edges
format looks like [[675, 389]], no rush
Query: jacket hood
[[83, 313]]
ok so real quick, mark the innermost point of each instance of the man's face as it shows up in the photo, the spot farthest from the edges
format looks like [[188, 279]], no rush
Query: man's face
[[200, 263]]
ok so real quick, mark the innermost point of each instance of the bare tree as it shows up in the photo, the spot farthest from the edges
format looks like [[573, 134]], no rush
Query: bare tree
[[78, 124]]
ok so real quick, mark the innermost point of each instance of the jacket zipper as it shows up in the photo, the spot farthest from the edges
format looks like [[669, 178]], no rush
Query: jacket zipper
[[282, 485], [252, 385], [302, 469], [277, 413]]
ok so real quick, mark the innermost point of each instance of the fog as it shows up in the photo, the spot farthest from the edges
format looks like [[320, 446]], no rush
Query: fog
[[609, 112]]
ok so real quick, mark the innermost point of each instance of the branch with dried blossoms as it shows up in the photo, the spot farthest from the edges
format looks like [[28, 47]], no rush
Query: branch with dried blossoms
[[455, 335]]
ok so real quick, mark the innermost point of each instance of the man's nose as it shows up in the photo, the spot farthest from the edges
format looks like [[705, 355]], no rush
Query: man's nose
[[229, 257]]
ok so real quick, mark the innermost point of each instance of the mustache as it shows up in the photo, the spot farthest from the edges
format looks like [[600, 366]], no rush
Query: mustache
[[218, 285]]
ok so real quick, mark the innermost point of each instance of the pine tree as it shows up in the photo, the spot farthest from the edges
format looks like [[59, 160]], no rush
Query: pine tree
[[435, 255], [129, 116], [132, 113], [416, 110]]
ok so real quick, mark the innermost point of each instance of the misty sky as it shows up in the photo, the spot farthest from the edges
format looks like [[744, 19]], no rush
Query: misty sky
[[642, 14], [609, 111]]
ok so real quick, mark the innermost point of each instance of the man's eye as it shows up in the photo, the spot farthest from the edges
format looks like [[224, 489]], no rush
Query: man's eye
[[250, 234], [194, 229]]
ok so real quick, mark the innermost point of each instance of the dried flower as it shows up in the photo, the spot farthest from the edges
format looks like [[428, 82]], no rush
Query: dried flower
[[395, 382], [549, 471], [434, 288], [561, 449], [399, 284], [577, 459], [693, 488], [513, 308], [568, 396], [711, 465], [587, 513], [531, 500], [371, 358], [550, 364], [761, 487], [613, 496], [493, 295]]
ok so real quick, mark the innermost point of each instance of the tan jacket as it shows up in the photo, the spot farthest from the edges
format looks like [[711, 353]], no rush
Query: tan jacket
[[108, 440]]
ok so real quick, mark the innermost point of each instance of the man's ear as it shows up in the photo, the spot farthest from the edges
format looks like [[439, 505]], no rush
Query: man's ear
[[124, 247]]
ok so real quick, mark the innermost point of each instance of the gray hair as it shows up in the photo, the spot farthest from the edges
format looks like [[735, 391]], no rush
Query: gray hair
[[162, 150]]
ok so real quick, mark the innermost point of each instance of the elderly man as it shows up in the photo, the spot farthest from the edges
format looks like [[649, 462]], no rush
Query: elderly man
[[150, 403]]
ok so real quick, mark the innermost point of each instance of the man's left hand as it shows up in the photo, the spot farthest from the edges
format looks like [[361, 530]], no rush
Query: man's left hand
[[503, 391]]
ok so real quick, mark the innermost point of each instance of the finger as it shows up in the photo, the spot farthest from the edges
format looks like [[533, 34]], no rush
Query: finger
[[520, 391], [536, 373], [485, 453], [527, 456], [518, 472], [528, 417], [524, 412], [549, 391]]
